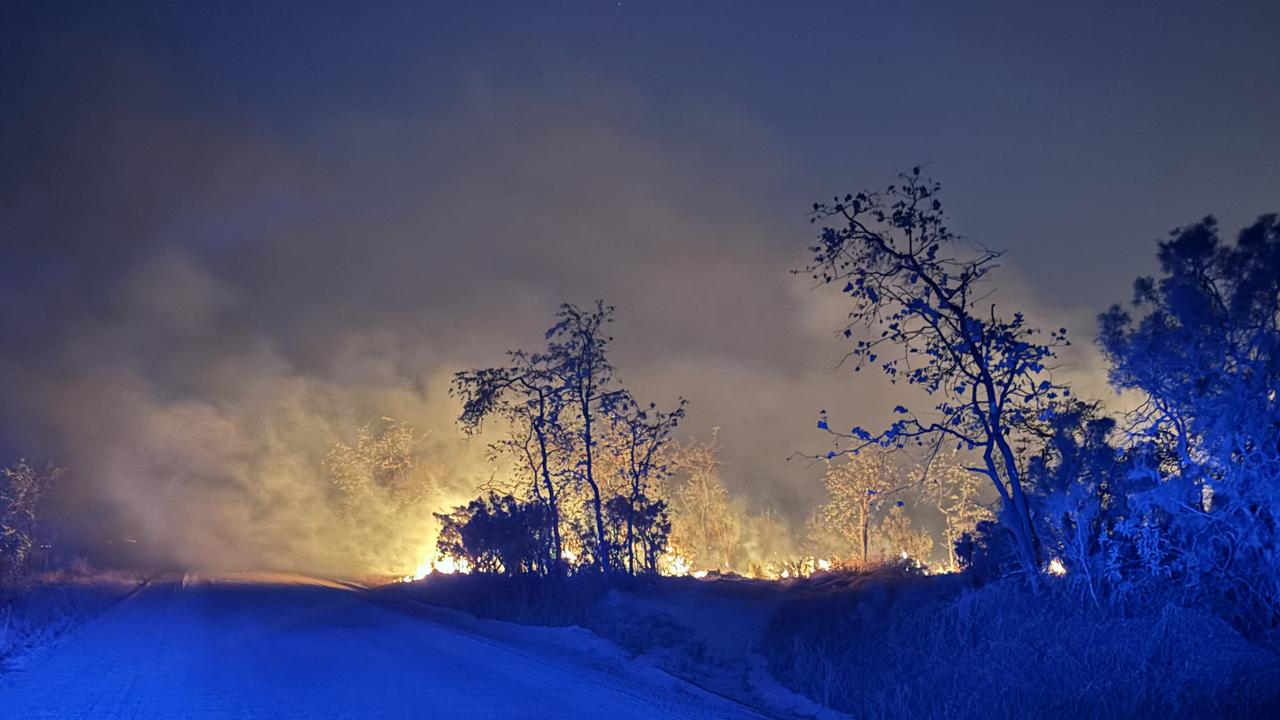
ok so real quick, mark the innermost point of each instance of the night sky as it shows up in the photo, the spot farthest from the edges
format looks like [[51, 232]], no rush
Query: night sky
[[232, 234]]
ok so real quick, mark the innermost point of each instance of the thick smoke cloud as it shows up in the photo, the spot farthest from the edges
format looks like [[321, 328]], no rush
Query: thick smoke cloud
[[198, 305]]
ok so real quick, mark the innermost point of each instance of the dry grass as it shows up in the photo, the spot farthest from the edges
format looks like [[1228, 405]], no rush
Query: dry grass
[[37, 611], [1002, 652], [890, 643]]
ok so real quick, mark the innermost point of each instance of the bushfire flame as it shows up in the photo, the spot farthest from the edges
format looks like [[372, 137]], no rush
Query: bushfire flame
[[443, 565], [673, 564]]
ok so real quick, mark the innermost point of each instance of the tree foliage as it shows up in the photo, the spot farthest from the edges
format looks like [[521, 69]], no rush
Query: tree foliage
[[900, 539], [639, 438], [23, 527], [527, 395], [1201, 344], [383, 460], [705, 528], [922, 312], [588, 451], [496, 534], [956, 492], [859, 488]]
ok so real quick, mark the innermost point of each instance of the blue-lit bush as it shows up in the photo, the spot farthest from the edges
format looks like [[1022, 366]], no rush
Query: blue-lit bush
[[1180, 500], [1147, 540], [921, 650]]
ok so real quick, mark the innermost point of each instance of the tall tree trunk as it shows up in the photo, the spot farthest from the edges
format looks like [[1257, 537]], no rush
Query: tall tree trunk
[[1032, 546], [866, 535], [631, 543], [952, 561], [601, 539], [865, 521], [1019, 519], [552, 501]]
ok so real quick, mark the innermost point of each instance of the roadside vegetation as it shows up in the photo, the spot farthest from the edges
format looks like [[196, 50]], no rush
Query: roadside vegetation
[[43, 594], [1079, 561], [1097, 564], [40, 609]]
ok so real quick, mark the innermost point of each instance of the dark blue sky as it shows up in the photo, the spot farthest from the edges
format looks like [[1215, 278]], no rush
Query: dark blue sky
[[1064, 130], [231, 209]]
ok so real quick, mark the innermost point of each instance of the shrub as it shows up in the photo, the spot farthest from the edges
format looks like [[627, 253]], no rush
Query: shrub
[[1000, 651]]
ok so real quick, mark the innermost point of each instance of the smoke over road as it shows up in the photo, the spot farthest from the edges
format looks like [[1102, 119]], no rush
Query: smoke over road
[[201, 295]]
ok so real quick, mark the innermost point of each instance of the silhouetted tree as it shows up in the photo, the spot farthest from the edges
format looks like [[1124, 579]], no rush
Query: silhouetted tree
[[642, 523], [640, 435], [918, 292], [559, 404], [529, 396], [497, 534], [577, 358]]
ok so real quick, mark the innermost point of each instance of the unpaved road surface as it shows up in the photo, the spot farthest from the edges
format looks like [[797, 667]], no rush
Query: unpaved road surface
[[270, 646]]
